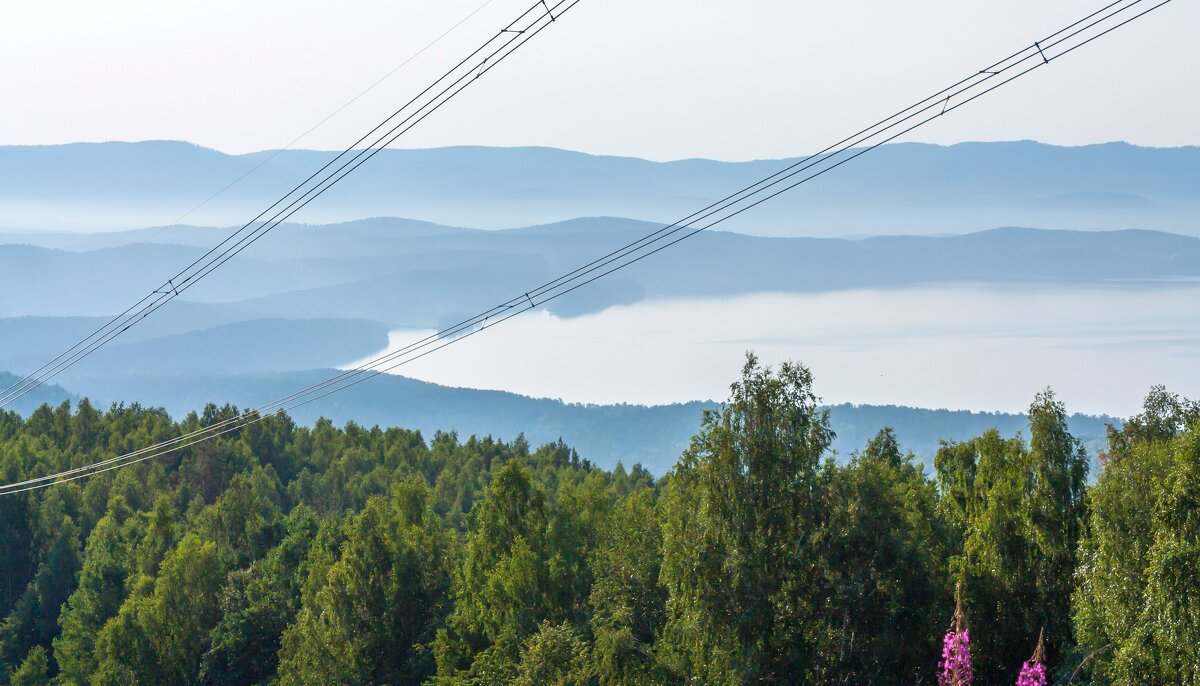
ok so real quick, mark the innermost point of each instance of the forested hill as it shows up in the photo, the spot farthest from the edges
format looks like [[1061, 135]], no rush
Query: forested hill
[[326, 297], [911, 187], [604, 434], [46, 394], [281, 554]]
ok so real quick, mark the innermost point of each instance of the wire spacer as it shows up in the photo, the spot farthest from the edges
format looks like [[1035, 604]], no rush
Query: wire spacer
[[1045, 60]]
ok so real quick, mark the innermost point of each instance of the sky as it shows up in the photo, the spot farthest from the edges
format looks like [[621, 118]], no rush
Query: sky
[[656, 79], [650, 78]]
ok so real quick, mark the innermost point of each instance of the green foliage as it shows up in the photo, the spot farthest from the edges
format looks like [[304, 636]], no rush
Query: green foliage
[[245, 519], [257, 606], [554, 656], [628, 603], [163, 628], [884, 549], [34, 620], [381, 601], [509, 581], [108, 562], [740, 559], [34, 671], [1019, 509], [1137, 608], [1055, 508], [282, 554]]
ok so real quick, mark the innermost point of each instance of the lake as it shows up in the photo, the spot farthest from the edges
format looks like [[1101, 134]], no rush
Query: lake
[[980, 348]]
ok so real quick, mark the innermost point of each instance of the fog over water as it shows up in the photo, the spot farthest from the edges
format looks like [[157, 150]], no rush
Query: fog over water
[[980, 348]]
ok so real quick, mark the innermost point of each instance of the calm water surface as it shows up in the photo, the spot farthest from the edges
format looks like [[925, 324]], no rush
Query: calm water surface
[[958, 347]]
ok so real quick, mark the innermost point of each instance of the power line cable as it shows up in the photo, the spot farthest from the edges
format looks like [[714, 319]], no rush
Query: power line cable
[[482, 60], [530, 300], [967, 90], [273, 154], [187, 277]]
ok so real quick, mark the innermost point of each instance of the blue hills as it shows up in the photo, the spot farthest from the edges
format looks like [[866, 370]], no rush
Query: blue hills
[[652, 436], [905, 188], [315, 297], [356, 269]]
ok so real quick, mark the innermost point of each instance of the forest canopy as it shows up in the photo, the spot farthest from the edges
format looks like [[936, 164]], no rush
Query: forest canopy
[[285, 554]]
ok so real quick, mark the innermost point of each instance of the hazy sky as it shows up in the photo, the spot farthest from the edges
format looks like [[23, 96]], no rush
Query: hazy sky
[[653, 78]]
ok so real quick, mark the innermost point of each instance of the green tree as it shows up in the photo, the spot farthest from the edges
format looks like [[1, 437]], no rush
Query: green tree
[[16, 530], [502, 589], [108, 561], [34, 620], [1135, 608], [955, 465], [162, 531], [163, 629], [1056, 512], [1024, 513], [1165, 646], [627, 601], [34, 671], [886, 550], [740, 562], [257, 606], [246, 517], [554, 656], [999, 594], [381, 602]]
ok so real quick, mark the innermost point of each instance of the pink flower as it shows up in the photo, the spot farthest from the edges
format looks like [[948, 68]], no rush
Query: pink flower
[[1032, 674], [955, 666]]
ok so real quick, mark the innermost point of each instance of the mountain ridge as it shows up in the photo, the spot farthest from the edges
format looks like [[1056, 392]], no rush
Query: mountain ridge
[[652, 435], [355, 269], [904, 187]]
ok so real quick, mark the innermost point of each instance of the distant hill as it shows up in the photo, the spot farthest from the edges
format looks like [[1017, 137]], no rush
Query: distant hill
[[379, 269], [325, 296], [899, 188], [46, 394], [653, 436], [314, 296], [922, 430], [255, 345]]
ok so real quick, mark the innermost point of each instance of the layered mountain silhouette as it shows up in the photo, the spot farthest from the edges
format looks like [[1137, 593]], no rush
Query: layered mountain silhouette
[[406, 273], [905, 188], [312, 297]]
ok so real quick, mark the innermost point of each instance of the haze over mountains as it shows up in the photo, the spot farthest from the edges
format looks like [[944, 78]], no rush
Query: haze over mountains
[[313, 297], [652, 436], [413, 274], [904, 188]]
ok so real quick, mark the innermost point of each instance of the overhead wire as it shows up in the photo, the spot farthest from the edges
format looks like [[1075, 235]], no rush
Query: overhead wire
[[483, 59], [964, 91], [270, 157]]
